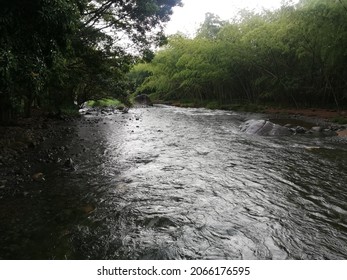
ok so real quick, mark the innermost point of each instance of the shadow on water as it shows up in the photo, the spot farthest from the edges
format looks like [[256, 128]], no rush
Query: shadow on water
[[173, 183]]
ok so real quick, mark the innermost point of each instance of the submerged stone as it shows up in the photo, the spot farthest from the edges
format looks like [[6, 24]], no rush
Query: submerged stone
[[264, 128], [143, 99]]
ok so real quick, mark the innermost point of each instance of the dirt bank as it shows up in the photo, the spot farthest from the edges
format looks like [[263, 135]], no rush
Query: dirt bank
[[324, 114], [321, 117]]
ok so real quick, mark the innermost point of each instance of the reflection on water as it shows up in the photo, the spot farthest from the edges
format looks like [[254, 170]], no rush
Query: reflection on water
[[172, 183]]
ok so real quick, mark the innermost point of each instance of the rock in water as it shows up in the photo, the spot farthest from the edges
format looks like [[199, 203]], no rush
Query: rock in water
[[264, 128], [300, 130], [316, 129], [69, 163], [143, 99]]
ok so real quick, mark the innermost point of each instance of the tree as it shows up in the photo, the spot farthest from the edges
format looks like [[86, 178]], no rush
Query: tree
[[57, 51], [33, 32], [120, 26], [294, 56], [210, 27]]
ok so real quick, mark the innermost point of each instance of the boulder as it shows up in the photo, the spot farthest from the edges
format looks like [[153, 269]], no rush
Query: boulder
[[265, 128], [69, 163], [300, 130], [316, 129], [143, 99]]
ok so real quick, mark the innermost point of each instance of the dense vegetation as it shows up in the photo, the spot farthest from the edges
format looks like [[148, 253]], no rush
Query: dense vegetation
[[54, 53], [295, 56]]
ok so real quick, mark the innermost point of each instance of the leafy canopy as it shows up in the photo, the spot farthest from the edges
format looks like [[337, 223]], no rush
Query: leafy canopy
[[54, 52], [294, 56]]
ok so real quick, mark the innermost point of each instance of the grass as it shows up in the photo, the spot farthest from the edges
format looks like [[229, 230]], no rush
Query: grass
[[71, 112], [340, 120], [105, 102], [213, 105]]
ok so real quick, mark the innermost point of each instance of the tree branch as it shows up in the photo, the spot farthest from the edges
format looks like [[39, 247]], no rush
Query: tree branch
[[98, 13]]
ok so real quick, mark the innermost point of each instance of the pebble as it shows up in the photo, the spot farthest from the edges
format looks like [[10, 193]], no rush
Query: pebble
[[38, 177], [69, 163], [300, 129], [316, 129]]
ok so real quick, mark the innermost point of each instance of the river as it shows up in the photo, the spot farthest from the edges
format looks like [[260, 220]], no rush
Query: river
[[174, 183]]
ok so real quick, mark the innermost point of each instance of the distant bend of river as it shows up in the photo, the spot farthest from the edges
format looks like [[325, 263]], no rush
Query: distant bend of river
[[174, 183]]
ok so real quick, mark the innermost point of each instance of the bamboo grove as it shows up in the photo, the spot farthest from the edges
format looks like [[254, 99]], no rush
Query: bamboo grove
[[294, 56]]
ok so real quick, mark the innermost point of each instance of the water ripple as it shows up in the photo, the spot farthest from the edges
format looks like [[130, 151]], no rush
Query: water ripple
[[180, 183]]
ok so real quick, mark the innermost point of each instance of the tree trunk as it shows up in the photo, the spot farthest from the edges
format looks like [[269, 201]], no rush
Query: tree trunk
[[27, 106], [6, 110]]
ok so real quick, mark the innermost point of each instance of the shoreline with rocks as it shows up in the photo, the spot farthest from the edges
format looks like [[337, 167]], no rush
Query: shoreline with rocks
[[27, 133], [323, 119], [20, 142]]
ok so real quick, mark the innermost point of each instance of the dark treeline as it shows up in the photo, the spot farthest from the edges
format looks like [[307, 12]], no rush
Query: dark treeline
[[54, 53], [295, 56]]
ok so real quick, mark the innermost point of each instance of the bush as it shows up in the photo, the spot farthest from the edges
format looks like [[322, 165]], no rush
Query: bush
[[105, 102]]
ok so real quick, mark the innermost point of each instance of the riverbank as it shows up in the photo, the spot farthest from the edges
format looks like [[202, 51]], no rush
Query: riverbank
[[28, 133], [320, 116], [314, 115], [23, 147], [333, 116]]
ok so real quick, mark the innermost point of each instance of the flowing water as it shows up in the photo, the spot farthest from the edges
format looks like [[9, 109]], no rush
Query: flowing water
[[173, 183]]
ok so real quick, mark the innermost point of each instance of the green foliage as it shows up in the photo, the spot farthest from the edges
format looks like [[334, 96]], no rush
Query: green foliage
[[294, 56], [210, 27], [340, 120], [57, 52], [105, 102], [70, 111]]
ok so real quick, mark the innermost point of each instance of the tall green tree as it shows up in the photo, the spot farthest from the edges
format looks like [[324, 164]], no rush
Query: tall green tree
[[32, 33], [294, 56], [58, 51]]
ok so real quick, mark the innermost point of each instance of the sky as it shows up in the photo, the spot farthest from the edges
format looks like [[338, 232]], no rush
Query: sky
[[188, 18]]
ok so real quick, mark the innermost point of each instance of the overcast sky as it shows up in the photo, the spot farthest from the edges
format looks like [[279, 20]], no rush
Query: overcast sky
[[187, 19]]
